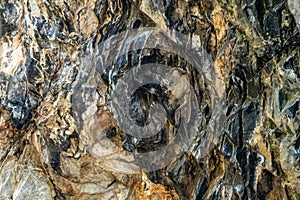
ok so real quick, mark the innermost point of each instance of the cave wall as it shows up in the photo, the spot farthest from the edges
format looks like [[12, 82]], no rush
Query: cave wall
[[45, 153]]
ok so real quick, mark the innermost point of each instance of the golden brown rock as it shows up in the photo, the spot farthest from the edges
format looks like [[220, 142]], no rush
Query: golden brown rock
[[60, 136]]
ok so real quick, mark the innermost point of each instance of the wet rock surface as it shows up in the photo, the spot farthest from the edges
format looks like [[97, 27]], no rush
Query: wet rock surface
[[56, 137]]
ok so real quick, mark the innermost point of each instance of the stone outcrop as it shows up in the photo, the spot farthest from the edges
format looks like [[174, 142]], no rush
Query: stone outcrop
[[55, 146]]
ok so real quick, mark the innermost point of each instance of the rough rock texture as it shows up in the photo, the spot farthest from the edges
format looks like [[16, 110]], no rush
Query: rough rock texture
[[44, 154]]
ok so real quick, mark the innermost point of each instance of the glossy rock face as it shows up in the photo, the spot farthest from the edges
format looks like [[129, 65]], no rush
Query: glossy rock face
[[149, 99]]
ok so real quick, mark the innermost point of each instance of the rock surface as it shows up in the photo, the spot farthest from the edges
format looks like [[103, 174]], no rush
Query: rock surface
[[59, 143]]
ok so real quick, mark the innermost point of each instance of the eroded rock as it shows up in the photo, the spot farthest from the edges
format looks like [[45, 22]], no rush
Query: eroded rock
[[60, 139]]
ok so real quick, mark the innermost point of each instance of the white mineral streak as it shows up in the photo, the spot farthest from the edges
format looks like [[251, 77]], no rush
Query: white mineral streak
[[294, 6], [33, 186], [23, 182], [7, 179], [11, 56]]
